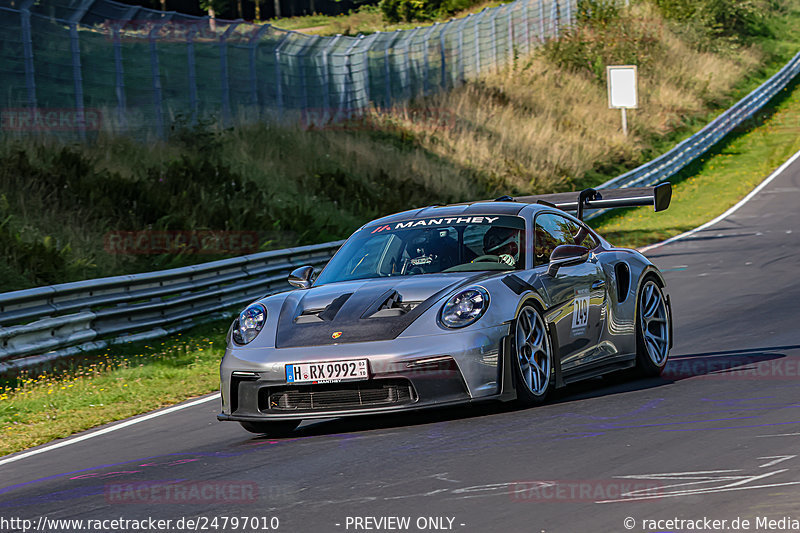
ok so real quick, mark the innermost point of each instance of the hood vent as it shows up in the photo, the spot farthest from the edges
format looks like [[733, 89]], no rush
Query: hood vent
[[390, 305], [327, 314]]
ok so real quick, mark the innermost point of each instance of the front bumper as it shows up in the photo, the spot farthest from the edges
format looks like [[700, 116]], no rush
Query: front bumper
[[406, 373]]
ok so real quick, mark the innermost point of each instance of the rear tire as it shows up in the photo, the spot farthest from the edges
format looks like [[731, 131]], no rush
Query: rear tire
[[534, 373], [277, 428], [652, 330]]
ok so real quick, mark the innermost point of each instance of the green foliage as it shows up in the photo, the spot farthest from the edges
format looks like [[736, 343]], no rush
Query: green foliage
[[608, 34], [714, 24], [605, 35], [421, 10]]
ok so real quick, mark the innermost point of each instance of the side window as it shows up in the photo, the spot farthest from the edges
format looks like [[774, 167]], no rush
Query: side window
[[584, 238], [550, 230], [554, 230]]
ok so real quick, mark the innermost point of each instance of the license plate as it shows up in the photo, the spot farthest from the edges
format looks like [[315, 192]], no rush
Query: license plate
[[327, 372]]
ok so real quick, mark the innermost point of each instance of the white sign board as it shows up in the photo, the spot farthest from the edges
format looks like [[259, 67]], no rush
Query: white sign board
[[622, 87]]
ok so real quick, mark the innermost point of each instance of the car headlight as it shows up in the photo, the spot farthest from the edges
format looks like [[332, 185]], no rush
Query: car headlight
[[249, 323], [465, 307]]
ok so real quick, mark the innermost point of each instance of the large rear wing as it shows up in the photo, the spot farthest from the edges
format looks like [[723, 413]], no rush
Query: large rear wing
[[658, 196]]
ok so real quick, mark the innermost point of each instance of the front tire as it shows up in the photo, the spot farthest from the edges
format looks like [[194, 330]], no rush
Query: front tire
[[277, 428], [534, 372], [652, 330]]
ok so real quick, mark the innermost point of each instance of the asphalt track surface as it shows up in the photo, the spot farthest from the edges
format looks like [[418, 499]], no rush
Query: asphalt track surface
[[717, 437]]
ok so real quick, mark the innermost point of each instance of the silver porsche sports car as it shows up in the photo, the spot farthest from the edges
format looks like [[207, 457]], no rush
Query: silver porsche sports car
[[492, 300]]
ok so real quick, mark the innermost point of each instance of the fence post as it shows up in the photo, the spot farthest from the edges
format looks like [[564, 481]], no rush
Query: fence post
[[223, 72], [407, 64], [478, 41], [119, 80], [27, 55], [302, 65], [77, 77], [278, 80], [541, 21], [554, 17], [426, 51], [387, 73], [493, 36], [348, 87], [510, 36], [254, 40], [443, 53], [326, 76], [367, 79], [526, 19], [461, 25], [192, 72], [154, 71]]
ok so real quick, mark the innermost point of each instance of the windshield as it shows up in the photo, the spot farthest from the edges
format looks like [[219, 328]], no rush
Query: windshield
[[430, 246]]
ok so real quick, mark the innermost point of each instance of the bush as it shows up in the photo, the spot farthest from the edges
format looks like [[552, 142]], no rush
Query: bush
[[718, 22], [604, 36]]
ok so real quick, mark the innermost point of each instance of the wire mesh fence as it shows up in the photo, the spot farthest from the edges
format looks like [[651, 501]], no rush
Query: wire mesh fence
[[80, 66]]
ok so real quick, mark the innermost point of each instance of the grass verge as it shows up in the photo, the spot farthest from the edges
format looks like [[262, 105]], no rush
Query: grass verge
[[109, 386]]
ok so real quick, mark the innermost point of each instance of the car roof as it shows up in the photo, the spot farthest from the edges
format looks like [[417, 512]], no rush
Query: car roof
[[467, 209]]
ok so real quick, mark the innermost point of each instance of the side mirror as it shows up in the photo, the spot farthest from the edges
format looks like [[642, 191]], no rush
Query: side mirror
[[301, 277], [567, 255]]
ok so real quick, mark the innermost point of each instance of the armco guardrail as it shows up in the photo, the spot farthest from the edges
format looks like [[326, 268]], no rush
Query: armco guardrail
[[668, 164], [60, 320], [50, 320]]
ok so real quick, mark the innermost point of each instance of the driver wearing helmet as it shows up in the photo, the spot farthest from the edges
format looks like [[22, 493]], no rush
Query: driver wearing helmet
[[503, 243]]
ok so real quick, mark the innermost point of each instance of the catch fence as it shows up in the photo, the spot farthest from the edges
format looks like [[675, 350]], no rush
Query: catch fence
[[89, 65]]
